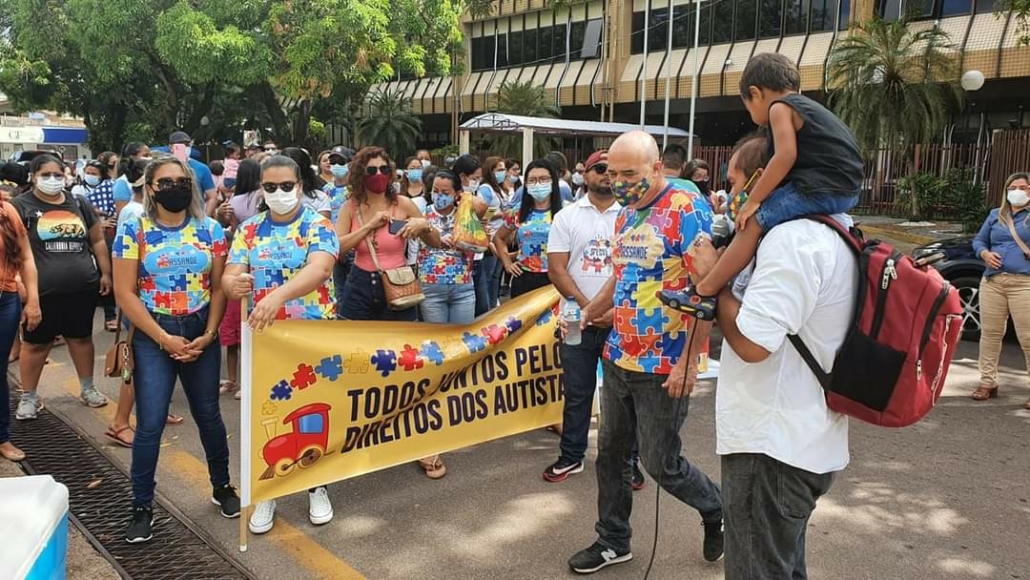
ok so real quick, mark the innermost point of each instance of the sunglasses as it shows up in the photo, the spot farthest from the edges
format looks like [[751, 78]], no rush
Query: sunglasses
[[600, 168], [285, 186], [385, 170], [167, 183]]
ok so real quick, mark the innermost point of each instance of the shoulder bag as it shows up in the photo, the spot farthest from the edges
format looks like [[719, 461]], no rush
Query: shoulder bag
[[120, 362], [1015, 236], [400, 285]]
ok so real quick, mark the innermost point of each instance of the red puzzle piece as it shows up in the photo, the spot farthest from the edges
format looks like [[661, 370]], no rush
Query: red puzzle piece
[[410, 359], [304, 377]]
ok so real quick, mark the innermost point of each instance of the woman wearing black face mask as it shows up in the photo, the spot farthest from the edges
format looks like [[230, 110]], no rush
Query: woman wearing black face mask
[[697, 171], [168, 272]]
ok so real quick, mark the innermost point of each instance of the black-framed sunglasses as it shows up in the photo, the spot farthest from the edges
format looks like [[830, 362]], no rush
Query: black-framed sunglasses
[[167, 183], [600, 168], [285, 186], [385, 170]]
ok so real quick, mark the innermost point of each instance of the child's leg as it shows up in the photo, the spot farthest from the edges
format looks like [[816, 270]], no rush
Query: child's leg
[[736, 257]]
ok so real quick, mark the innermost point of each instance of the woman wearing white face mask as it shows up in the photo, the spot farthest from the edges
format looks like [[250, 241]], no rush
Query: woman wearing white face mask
[[530, 220], [1005, 289], [68, 246], [298, 287]]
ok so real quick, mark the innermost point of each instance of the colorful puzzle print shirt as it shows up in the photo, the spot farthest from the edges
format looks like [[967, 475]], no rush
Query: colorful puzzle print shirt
[[652, 253], [532, 235], [444, 265], [174, 263], [276, 251]]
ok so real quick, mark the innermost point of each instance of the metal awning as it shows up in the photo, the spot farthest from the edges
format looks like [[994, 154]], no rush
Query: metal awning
[[501, 123]]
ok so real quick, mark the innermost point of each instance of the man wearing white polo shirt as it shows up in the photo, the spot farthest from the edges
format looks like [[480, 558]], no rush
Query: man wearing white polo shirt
[[579, 251]]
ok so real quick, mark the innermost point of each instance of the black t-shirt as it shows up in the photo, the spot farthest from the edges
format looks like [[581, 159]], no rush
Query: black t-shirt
[[829, 160], [59, 236]]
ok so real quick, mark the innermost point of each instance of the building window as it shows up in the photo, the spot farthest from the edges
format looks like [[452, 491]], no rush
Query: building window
[[560, 42], [637, 44], [845, 14], [746, 17], [683, 25], [530, 47], [985, 6], [795, 19], [515, 48], [659, 37], [931, 9], [592, 40], [955, 7], [824, 15], [502, 51], [770, 17], [722, 22]]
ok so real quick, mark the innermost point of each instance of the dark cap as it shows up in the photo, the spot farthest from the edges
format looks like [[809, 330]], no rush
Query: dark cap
[[179, 137], [341, 153]]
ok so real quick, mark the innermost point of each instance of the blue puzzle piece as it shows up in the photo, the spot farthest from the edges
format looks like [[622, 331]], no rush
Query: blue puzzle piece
[[653, 318], [513, 324], [330, 367], [474, 342], [282, 391], [385, 361], [544, 318], [431, 351]]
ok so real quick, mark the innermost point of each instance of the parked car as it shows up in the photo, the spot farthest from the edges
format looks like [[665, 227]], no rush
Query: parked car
[[964, 269]]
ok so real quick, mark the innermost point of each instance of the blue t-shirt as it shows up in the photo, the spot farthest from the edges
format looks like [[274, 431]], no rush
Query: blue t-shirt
[[201, 172]]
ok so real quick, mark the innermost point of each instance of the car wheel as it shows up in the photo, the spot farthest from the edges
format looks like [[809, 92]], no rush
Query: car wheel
[[969, 292]]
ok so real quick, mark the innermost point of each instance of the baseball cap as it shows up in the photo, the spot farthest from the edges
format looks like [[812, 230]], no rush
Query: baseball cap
[[344, 154], [599, 156], [253, 145], [179, 137]]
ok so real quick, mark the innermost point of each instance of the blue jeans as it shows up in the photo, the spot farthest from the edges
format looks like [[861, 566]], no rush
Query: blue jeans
[[448, 303], [10, 315], [787, 203], [635, 404], [365, 299], [340, 271], [154, 377], [481, 279], [495, 283], [579, 364]]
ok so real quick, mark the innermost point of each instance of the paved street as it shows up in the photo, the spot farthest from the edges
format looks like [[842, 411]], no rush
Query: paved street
[[945, 499]]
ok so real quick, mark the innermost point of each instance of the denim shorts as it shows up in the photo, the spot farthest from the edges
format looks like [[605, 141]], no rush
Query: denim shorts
[[787, 203]]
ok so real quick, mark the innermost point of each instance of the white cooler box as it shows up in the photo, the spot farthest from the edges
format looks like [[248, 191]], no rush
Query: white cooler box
[[33, 528]]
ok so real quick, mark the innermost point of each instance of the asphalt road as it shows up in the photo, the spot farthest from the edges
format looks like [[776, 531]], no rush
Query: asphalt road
[[948, 498]]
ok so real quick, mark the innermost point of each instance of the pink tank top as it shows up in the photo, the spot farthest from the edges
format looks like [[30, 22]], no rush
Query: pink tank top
[[390, 249]]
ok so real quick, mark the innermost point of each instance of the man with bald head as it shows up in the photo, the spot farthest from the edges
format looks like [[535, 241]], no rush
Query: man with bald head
[[650, 356]]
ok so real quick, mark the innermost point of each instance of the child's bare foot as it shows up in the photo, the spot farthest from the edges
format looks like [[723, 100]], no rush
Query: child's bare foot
[[10, 452]]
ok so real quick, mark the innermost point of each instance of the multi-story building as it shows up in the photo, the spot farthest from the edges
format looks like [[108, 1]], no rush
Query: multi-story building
[[594, 59]]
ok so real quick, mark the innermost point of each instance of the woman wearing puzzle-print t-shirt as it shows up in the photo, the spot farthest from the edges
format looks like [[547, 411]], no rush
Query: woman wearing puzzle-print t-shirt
[[284, 258], [168, 267], [530, 220]]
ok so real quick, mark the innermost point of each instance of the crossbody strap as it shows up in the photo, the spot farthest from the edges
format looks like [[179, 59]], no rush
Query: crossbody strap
[[1015, 236], [371, 247]]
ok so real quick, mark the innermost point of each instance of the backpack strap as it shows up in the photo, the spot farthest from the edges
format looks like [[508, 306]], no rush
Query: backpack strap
[[822, 376]]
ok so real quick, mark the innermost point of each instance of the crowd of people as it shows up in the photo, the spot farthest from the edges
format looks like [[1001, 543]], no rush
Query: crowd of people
[[169, 247]]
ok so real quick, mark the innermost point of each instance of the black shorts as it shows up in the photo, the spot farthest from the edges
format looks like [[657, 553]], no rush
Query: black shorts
[[67, 315]]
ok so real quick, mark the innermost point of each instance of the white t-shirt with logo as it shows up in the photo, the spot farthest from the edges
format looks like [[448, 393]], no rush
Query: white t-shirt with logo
[[804, 283], [586, 234]]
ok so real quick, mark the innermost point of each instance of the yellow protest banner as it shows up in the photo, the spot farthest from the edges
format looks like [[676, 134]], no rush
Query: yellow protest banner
[[329, 400]]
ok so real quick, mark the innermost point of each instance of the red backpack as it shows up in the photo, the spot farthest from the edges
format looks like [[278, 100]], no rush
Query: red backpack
[[891, 368]]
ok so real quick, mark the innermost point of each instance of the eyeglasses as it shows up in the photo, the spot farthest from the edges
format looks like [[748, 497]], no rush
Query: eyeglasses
[[600, 168], [167, 183], [538, 181], [285, 186], [384, 169]]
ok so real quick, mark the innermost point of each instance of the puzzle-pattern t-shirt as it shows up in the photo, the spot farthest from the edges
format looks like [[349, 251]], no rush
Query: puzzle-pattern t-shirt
[[174, 263], [652, 252], [532, 235], [444, 265], [277, 251]]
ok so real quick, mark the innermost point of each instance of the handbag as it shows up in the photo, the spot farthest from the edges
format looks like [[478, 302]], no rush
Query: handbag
[[400, 285], [120, 362], [1015, 236]]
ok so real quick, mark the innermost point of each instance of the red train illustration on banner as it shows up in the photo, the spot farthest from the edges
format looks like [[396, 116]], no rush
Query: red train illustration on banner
[[303, 446]]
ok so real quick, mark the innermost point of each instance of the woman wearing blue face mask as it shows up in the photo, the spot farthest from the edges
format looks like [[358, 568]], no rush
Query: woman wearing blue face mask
[[412, 186], [494, 175], [446, 272], [530, 220]]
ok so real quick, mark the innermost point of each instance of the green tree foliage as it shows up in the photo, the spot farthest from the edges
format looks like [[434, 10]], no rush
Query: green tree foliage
[[388, 122], [1022, 12], [893, 86], [153, 66], [528, 100]]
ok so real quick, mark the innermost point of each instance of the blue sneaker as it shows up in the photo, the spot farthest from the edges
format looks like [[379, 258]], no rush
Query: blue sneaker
[[689, 302]]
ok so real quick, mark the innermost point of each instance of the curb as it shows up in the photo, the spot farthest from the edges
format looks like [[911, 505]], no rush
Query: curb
[[873, 231]]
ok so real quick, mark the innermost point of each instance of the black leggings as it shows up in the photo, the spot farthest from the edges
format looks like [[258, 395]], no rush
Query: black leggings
[[528, 282]]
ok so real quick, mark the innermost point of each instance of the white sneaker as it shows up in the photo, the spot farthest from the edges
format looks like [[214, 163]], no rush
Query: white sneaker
[[263, 517], [320, 510]]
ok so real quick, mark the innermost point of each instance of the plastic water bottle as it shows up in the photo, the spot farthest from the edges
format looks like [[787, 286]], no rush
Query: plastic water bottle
[[570, 313]]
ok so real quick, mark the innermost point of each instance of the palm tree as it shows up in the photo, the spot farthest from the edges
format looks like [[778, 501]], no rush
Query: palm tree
[[527, 100], [389, 123], [893, 86]]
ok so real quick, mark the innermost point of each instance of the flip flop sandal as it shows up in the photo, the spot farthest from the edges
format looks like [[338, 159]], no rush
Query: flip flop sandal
[[227, 386], [174, 419], [433, 466], [111, 326], [116, 436]]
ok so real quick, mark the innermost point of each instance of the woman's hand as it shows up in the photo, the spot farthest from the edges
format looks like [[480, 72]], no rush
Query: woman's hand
[[414, 228], [264, 312], [177, 347], [993, 259], [514, 269], [380, 219], [242, 285], [197, 346], [224, 212], [447, 241], [105, 284], [31, 315]]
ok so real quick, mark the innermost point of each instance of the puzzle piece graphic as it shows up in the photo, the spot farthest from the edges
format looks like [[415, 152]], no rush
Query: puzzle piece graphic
[[331, 367], [544, 318], [282, 391], [494, 333], [357, 362], [385, 361], [475, 343], [649, 319], [410, 359], [431, 352], [269, 408], [304, 377], [513, 325], [623, 323]]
